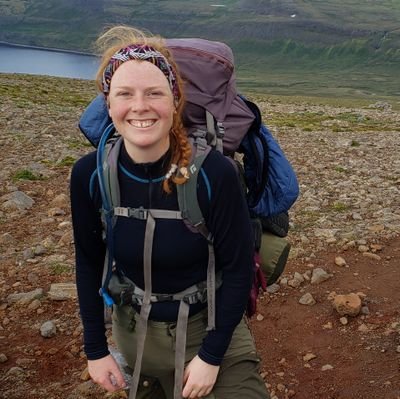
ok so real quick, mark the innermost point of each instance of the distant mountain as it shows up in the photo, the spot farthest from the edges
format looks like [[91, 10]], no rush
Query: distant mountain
[[282, 45]]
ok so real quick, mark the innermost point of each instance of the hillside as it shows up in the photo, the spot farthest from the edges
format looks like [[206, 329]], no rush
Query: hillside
[[282, 47], [346, 159]]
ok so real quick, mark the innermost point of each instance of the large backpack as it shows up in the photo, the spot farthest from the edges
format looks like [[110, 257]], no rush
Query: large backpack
[[215, 116]]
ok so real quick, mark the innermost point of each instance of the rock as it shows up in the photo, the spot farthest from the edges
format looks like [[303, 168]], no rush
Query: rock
[[283, 281], [28, 254], [60, 201], [273, 288], [363, 328], [307, 299], [25, 297], [362, 248], [326, 367], [298, 277], [16, 372], [35, 304], [85, 376], [40, 250], [398, 349], [319, 275], [17, 200], [370, 255], [55, 212], [364, 310], [66, 239], [3, 358], [339, 261], [327, 326], [347, 305], [48, 329], [309, 356], [6, 239], [25, 362], [294, 283], [62, 291], [344, 321], [260, 317]]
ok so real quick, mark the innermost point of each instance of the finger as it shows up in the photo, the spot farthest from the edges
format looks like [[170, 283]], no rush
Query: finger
[[107, 384], [118, 379]]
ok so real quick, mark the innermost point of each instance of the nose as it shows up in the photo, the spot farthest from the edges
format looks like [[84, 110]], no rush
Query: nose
[[139, 103]]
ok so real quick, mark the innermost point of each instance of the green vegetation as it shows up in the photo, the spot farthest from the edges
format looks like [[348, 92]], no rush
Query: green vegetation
[[67, 161], [25, 174], [340, 207], [57, 268]]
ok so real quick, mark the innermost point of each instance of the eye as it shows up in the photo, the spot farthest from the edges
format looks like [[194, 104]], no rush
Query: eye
[[155, 93]]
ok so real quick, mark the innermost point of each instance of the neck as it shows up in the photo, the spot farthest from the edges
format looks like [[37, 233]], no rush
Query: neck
[[147, 154]]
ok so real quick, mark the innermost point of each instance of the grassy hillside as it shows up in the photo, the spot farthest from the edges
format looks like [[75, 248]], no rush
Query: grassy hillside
[[311, 47]]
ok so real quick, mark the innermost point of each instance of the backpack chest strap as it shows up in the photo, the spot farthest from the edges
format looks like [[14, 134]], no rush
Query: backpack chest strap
[[143, 214]]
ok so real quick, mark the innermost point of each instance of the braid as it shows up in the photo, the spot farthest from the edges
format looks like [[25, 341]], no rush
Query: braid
[[181, 152]]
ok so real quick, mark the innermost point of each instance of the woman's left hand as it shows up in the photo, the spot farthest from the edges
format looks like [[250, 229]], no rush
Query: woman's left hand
[[199, 378]]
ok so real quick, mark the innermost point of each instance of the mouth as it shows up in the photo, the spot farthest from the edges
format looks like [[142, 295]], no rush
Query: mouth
[[142, 123]]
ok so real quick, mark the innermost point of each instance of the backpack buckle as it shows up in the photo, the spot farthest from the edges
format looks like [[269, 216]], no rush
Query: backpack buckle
[[138, 213]]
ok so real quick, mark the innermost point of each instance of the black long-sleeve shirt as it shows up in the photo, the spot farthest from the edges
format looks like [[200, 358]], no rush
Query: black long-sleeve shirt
[[180, 256]]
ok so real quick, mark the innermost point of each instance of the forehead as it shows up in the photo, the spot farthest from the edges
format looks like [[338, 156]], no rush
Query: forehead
[[138, 73]]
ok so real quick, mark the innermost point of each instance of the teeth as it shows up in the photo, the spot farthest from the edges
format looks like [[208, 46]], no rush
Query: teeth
[[142, 124]]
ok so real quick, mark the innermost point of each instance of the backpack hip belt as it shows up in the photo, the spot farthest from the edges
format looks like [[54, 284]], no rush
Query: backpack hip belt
[[125, 292]]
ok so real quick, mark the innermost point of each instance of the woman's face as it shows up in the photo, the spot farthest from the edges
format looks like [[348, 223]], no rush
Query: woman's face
[[141, 106]]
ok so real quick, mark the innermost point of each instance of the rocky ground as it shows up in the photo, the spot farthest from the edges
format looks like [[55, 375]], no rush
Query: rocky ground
[[329, 329]]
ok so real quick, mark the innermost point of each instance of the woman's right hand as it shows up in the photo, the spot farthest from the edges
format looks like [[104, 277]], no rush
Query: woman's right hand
[[106, 373]]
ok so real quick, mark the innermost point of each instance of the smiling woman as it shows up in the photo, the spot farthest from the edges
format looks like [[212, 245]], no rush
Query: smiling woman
[[158, 269]]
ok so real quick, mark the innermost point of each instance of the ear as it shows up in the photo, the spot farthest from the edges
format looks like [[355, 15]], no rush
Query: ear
[[108, 106]]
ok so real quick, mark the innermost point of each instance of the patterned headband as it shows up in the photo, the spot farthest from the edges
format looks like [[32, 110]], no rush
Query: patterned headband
[[145, 53]]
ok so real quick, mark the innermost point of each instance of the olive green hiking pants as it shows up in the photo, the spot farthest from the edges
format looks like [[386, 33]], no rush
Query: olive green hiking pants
[[238, 377]]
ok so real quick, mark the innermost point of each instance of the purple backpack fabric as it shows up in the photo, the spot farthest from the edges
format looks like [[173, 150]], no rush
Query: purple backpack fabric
[[216, 93]]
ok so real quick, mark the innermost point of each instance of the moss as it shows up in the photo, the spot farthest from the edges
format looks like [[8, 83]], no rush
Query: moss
[[25, 174]]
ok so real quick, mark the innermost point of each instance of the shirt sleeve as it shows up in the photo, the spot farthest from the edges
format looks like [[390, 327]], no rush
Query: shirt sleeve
[[89, 255], [229, 222]]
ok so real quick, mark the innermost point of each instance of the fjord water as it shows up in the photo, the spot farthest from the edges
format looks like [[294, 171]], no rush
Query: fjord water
[[38, 61]]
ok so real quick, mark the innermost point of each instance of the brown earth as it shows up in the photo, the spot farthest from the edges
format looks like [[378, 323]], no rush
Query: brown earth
[[38, 124]]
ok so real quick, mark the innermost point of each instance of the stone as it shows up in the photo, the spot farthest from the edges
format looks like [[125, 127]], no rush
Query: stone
[[326, 367], [319, 275], [307, 299], [260, 317], [363, 328], [25, 297], [294, 283], [60, 201], [347, 305], [62, 291], [17, 200], [55, 212], [344, 321], [309, 356], [3, 358], [6, 238], [273, 288], [371, 255], [48, 329], [339, 261]]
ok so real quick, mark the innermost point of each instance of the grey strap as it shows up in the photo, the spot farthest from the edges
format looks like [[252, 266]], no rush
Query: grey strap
[[180, 348], [146, 307], [211, 287], [141, 213]]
